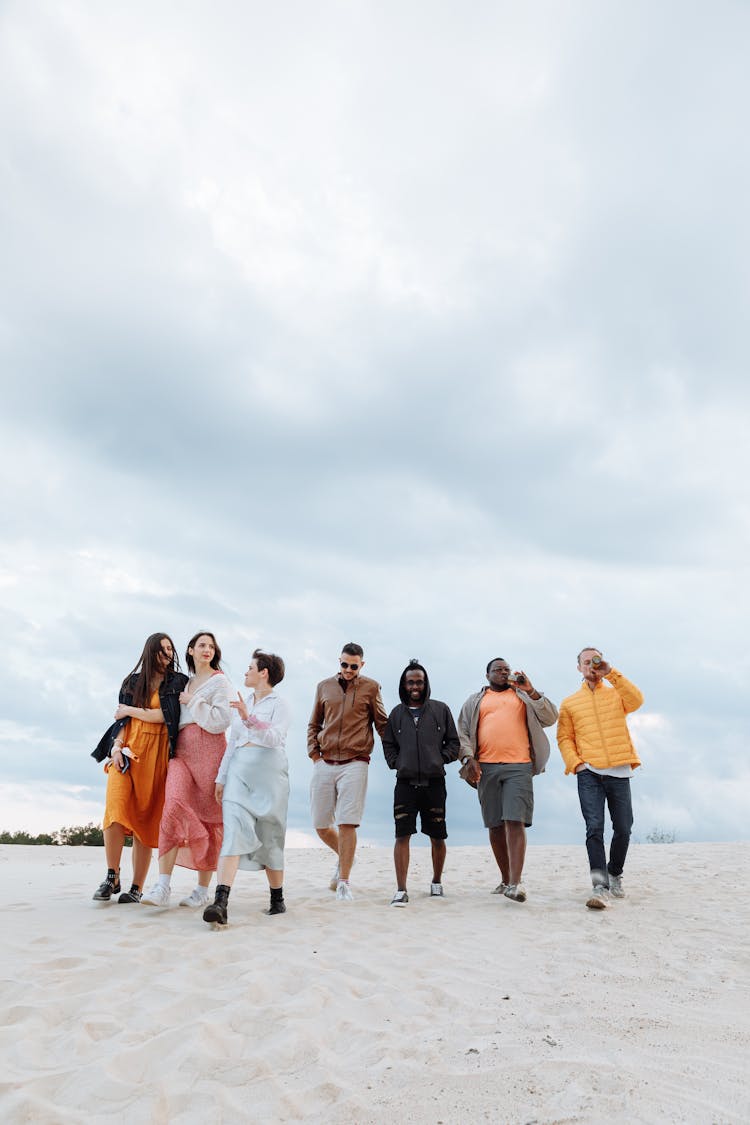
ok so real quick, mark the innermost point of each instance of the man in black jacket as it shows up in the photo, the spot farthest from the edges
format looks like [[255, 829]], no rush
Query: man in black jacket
[[418, 741]]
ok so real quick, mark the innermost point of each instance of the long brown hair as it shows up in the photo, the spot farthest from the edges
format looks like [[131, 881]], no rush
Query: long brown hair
[[215, 663], [147, 669]]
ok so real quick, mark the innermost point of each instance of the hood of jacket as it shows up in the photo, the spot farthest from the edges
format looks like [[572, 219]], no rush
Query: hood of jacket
[[413, 666]]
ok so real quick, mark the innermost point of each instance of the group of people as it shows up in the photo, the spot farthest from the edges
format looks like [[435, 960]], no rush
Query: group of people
[[501, 743], [201, 771]]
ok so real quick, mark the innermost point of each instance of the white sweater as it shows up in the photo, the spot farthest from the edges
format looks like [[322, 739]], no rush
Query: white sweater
[[209, 705]]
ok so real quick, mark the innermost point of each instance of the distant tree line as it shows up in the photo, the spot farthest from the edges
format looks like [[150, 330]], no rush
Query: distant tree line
[[88, 835]]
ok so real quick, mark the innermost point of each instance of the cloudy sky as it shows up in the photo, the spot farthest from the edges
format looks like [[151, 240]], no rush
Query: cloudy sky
[[415, 324]]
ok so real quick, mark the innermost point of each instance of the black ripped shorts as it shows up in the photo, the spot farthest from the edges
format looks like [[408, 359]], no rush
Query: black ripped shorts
[[427, 800]]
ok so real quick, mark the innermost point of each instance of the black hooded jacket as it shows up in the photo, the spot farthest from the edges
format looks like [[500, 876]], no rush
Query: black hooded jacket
[[420, 750]]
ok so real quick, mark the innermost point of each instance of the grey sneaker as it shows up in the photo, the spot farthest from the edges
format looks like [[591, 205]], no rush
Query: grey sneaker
[[400, 899], [436, 890], [516, 891], [616, 887], [500, 889], [599, 899]]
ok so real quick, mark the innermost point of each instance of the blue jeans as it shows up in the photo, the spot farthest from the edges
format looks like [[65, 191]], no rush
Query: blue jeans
[[593, 790]]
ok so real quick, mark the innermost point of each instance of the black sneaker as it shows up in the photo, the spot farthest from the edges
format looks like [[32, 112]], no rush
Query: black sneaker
[[110, 886], [135, 894]]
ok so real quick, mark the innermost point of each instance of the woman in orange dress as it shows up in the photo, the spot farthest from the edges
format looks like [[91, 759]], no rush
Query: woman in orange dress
[[140, 743], [190, 833]]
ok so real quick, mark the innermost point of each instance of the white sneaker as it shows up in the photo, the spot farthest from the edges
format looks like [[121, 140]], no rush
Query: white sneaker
[[500, 889], [599, 899], [336, 877], [343, 893], [436, 890], [198, 897], [400, 899], [157, 896], [616, 888]]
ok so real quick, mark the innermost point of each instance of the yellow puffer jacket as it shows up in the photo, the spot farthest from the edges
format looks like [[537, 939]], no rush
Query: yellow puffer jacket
[[592, 726]]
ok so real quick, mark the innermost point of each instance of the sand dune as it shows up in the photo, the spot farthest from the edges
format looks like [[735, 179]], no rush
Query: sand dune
[[466, 1009]]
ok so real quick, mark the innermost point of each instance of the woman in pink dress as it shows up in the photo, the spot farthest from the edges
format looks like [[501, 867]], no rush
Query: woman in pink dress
[[190, 832]]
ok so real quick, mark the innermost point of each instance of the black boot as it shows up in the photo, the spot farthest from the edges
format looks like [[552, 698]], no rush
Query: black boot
[[278, 906], [135, 894], [110, 886], [217, 911]]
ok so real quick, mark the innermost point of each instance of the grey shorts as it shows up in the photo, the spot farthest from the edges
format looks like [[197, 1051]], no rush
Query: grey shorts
[[506, 792]]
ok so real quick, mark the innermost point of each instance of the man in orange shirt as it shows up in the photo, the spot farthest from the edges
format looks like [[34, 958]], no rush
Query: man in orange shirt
[[503, 746]]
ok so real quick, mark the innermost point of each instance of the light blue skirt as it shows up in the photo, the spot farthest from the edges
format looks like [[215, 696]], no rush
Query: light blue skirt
[[254, 805]]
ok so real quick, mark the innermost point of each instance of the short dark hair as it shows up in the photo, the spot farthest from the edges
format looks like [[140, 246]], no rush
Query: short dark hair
[[586, 648], [494, 658], [271, 663], [215, 663], [353, 649]]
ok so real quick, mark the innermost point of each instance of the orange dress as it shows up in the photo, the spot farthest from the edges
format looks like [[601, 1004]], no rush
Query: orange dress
[[135, 799]]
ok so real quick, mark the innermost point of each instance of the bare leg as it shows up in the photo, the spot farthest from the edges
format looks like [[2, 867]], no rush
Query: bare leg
[[499, 847], [167, 861], [516, 845], [204, 878], [347, 848], [438, 860], [330, 837], [228, 865], [401, 860], [275, 878], [141, 862], [114, 840]]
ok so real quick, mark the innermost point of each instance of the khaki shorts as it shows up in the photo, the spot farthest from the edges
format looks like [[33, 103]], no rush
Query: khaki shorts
[[337, 793]]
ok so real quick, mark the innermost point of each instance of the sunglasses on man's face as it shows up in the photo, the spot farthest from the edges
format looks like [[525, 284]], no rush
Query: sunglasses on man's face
[[353, 667]]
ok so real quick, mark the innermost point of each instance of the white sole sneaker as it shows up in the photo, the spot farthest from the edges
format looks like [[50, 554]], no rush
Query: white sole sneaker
[[195, 900], [598, 900], [157, 896]]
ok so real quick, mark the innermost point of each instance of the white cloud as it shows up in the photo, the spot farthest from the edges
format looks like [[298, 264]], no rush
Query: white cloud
[[424, 328]]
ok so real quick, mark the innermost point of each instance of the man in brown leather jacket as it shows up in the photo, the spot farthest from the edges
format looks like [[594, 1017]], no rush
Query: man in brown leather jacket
[[340, 742]]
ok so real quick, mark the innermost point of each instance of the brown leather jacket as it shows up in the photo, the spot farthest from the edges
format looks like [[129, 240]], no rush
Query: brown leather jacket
[[341, 722]]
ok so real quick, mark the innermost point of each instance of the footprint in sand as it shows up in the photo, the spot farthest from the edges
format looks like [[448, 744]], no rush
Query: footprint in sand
[[64, 963]]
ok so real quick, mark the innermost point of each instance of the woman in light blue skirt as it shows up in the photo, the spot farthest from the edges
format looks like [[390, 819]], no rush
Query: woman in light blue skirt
[[253, 787]]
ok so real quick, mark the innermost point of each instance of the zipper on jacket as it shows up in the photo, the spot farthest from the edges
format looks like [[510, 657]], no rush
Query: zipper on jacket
[[599, 726], [352, 684]]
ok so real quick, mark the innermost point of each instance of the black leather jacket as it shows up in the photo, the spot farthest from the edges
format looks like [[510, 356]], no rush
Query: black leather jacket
[[169, 701]]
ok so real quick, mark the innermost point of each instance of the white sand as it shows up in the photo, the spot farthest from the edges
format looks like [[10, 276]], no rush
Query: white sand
[[466, 1009]]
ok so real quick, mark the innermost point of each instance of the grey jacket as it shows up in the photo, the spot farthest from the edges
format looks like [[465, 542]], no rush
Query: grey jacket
[[539, 713]]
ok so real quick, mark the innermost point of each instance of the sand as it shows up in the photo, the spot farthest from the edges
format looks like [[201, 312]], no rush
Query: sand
[[469, 1008]]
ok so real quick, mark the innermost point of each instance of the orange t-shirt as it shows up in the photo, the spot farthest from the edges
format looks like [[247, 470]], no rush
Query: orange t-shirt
[[502, 734]]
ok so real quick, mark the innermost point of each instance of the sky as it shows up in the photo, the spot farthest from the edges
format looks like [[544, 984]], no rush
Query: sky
[[421, 325]]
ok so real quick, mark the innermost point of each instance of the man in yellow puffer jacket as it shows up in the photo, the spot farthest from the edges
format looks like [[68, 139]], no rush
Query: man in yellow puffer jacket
[[594, 740]]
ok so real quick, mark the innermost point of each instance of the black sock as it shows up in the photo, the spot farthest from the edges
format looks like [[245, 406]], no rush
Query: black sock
[[277, 894]]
